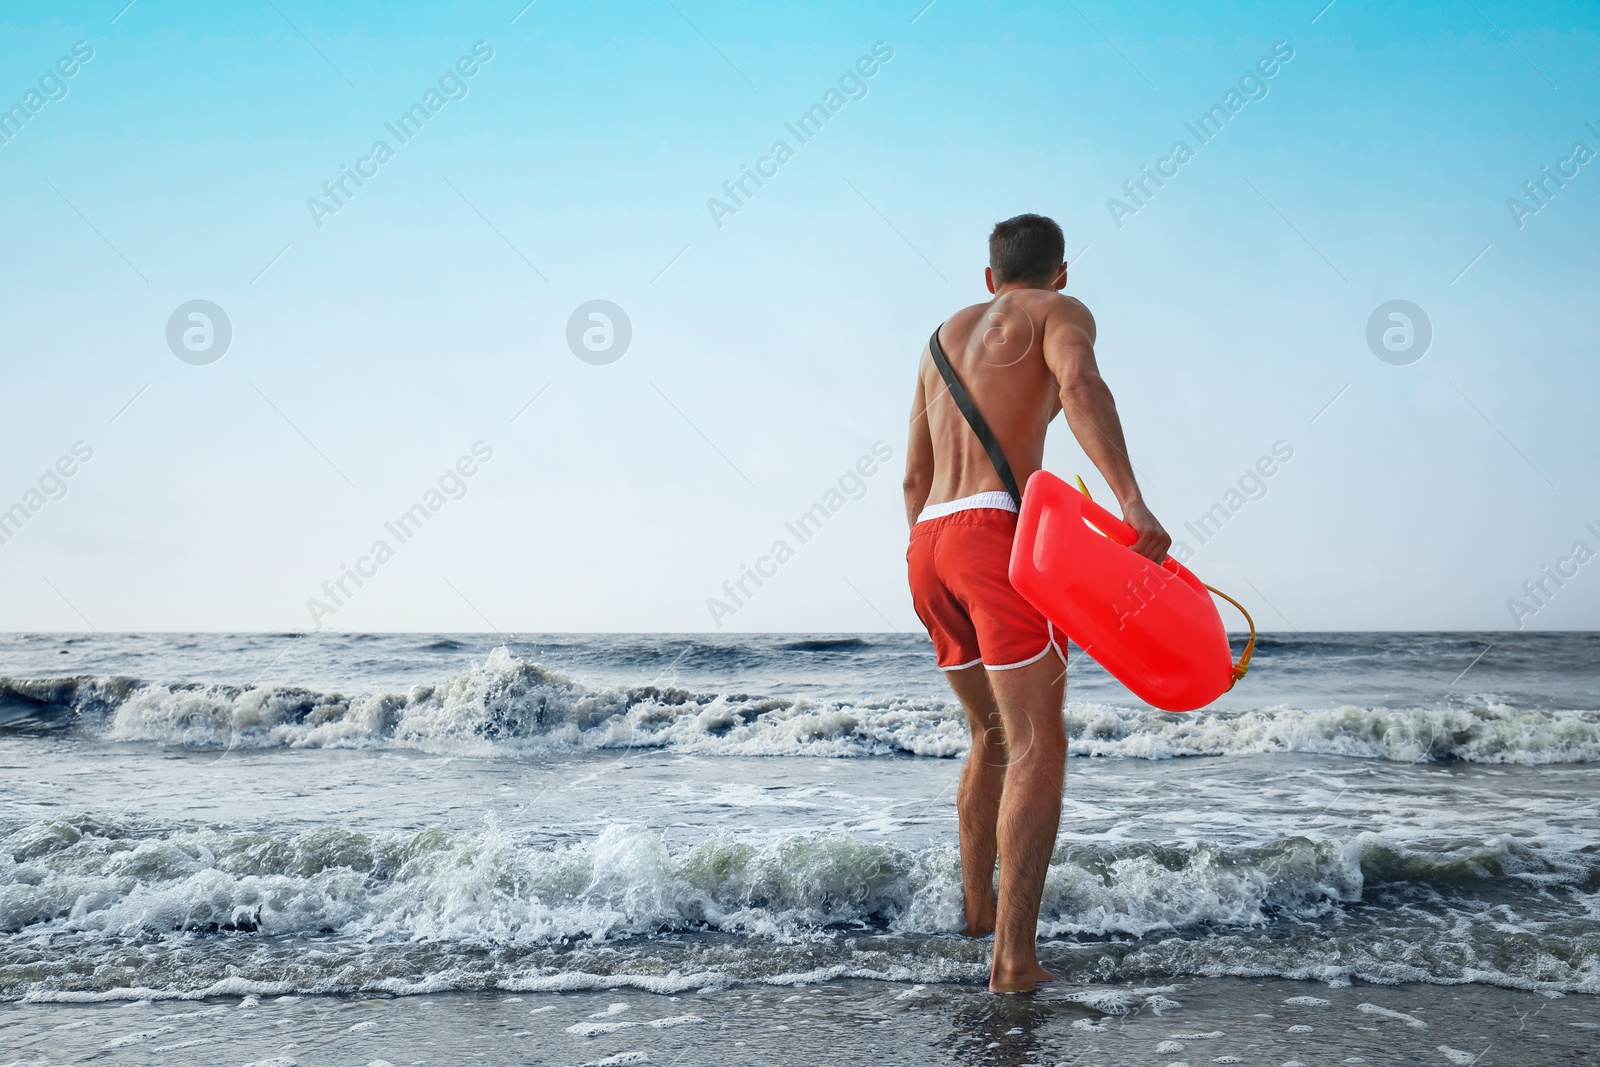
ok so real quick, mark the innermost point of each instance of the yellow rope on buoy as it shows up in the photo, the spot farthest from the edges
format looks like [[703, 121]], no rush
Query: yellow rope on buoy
[[1241, 668]]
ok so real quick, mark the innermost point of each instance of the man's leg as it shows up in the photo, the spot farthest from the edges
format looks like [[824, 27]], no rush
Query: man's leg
[[1029, 700], [978, 797]]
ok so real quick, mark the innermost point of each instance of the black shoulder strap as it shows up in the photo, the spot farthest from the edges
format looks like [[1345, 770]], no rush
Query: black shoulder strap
[[986, 437]]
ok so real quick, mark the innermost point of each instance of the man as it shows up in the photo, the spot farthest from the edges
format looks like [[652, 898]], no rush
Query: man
[[1023, 356]]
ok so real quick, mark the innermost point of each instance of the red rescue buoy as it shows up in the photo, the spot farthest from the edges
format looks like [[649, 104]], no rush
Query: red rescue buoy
[[1153, 626]]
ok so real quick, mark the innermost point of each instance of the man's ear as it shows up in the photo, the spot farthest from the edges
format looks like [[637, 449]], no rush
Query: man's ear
[[1059, 282], [988, 278]]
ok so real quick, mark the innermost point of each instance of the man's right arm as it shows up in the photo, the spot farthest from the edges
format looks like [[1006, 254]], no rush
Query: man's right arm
[[1091, 411], [919, 455]]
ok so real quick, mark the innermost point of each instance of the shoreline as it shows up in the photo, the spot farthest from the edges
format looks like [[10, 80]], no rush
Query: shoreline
[[1223, 1020]]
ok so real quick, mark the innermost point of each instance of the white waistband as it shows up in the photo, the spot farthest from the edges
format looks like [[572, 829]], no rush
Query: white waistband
[[994, 499]]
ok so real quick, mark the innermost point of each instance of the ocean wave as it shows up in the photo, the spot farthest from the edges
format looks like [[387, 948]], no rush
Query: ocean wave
[[505, 705], [45, 703], [333, 910], [1492, 733], [118, 877], [825, 644]]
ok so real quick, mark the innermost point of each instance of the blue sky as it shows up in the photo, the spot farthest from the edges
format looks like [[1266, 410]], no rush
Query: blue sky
[[769, 354]]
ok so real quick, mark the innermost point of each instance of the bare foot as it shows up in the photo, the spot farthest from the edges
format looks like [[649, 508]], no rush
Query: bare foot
[[978, 932], [1024, 980]]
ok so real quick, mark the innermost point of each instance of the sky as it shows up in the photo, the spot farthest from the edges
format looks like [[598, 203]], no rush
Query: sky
[[421, 343]]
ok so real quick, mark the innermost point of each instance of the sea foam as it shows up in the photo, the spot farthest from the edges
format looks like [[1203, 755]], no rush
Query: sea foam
[[504, 704]]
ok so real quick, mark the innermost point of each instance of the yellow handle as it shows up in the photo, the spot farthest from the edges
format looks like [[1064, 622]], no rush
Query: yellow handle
[[1241, 668]]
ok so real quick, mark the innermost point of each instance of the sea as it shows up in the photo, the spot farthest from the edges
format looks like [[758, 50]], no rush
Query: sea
[[385, 849]]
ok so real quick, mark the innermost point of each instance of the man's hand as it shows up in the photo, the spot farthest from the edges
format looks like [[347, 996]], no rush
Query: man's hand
[[1153, 540]]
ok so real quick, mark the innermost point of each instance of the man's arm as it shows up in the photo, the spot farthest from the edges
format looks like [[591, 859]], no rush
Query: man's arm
[[919, 455], [1092, 413]]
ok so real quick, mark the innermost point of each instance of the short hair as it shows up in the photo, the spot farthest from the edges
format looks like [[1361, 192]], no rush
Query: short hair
[[1027, 248]]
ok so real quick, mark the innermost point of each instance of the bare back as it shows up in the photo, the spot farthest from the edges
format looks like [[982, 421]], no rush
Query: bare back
[[1008, 353]]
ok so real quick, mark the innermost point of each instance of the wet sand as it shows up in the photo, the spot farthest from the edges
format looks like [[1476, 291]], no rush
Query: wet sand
[[1270, 1022]]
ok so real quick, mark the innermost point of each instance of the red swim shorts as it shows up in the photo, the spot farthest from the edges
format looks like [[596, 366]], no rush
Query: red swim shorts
[[964, 597]]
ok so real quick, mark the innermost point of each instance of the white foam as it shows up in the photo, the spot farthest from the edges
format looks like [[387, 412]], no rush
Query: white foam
[[507, 705], [140, 1037], [185, 1044], [595, 1029], [620, 1059], [220, 1009], [466, 895], [1399, 1016], [1114, 1001], [1492, 734]]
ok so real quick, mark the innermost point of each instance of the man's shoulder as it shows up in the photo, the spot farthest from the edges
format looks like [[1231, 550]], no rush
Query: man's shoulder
[[1059, 302], [1045, 306]]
